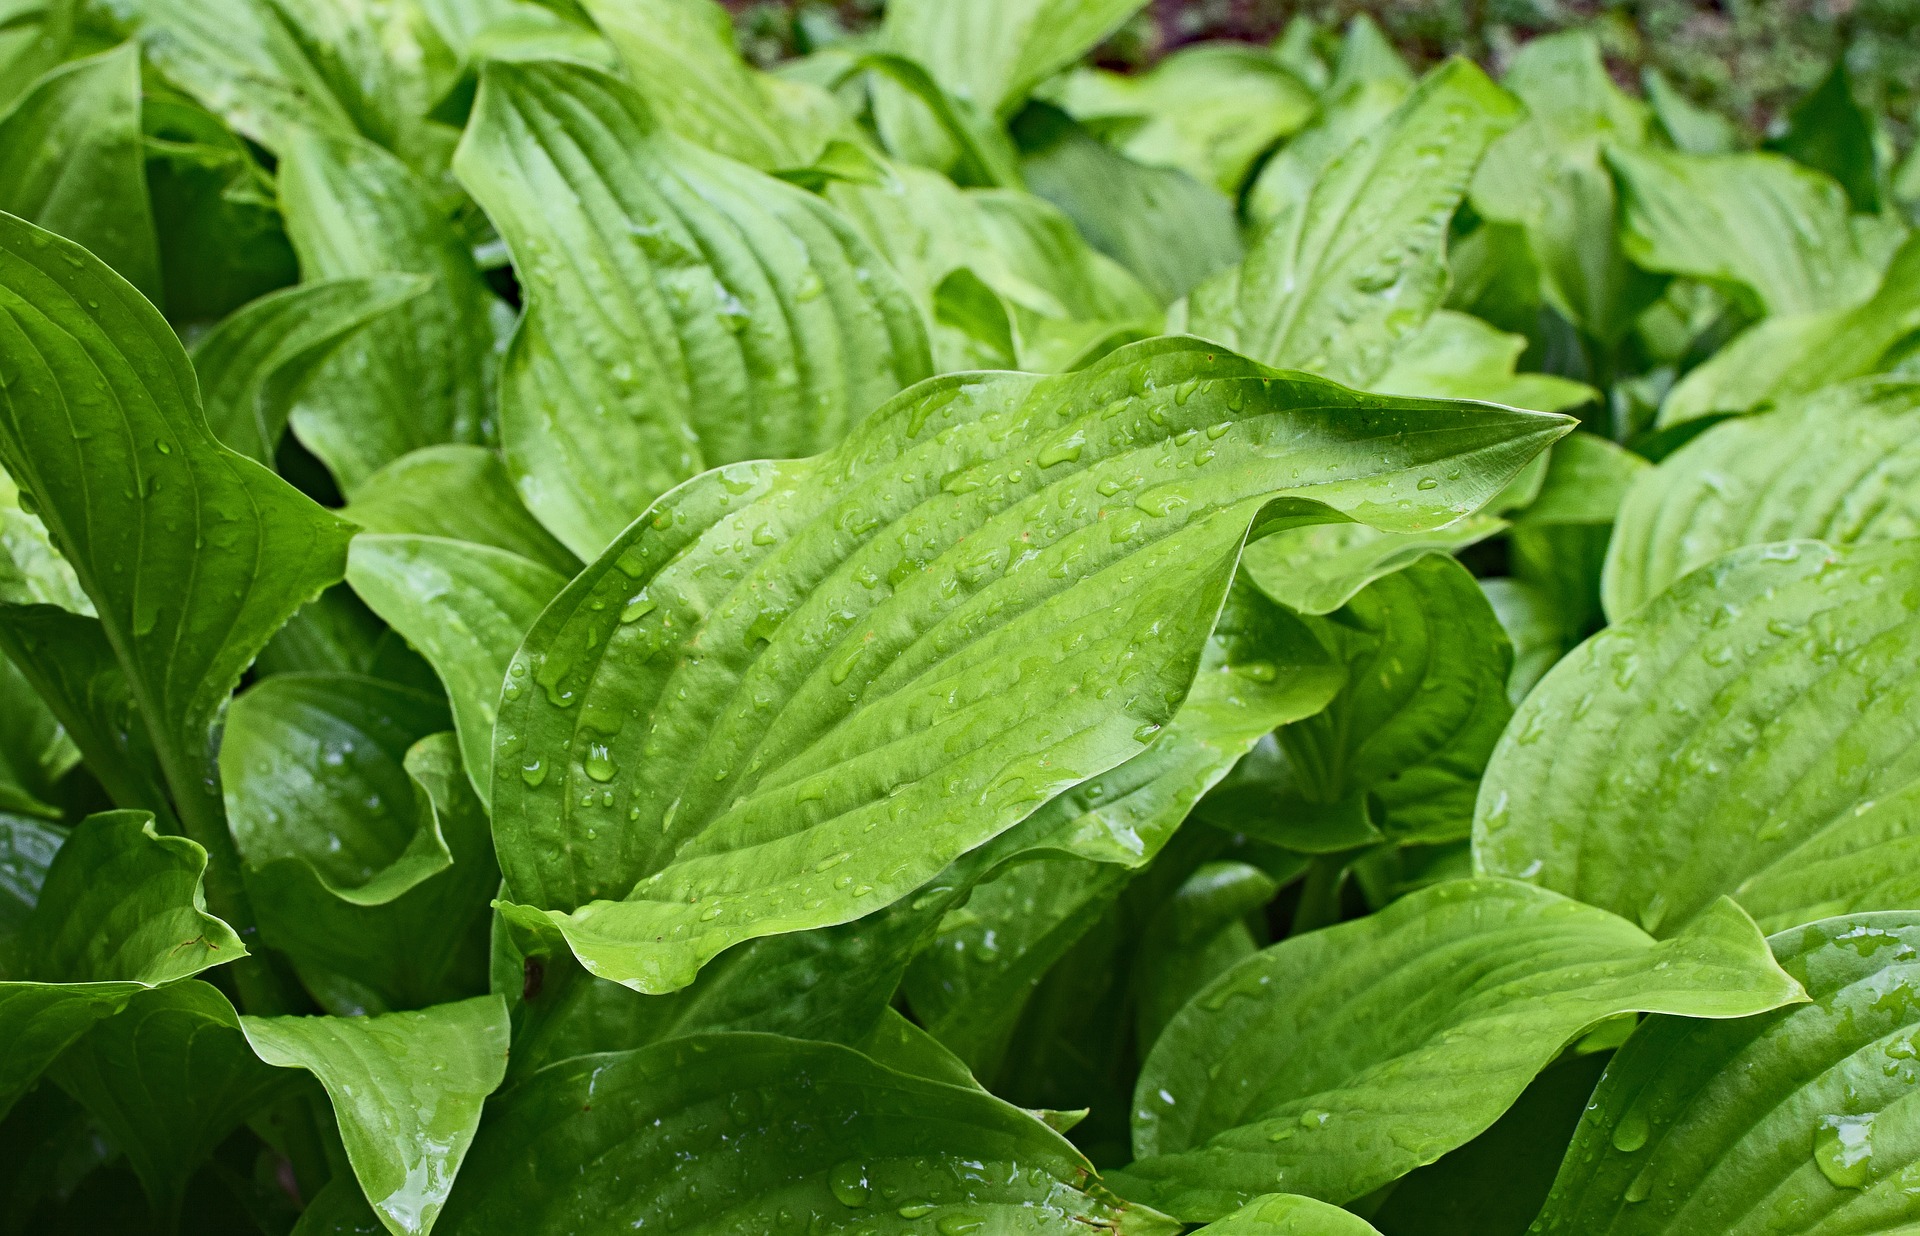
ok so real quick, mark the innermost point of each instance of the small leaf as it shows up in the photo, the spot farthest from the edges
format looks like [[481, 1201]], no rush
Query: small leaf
[[1457, 356], [1692, 129], [461, 493], [1745, 733], [1317, 569], [34, 751], [991, 53], [1829, 131], [1588, 477], [1313, 1065], [407, 1089], [1289, 1214], [1797, 1120], [810, 1128]]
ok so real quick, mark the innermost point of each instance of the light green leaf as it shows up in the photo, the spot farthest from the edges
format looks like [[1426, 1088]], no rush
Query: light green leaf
[[1334, 1062], [813, 1129], [1779, 358], [1742, 733], [1401, 747], [1458, 356], [32, 572], [1535, 624], [340, 1209], [1358, 106], [1841, 466], [427, 375], [1587, 479], [1163, 225], [1332, 284], [1317, 569], [407, 1089], [465, 607], [1547, 178], [1200, 933], [27, 847], [1799, 1120], [1692, 129], [1775, 228], [120, 912], [992, 52], [683, 310], [460, 493], [252, 365], [1211, 109], [1289, 1214], [1027, 530], [168, 1078], [71, 161]]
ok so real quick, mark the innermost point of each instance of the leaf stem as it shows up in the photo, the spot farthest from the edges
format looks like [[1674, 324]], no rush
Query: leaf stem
[[1320, 894]]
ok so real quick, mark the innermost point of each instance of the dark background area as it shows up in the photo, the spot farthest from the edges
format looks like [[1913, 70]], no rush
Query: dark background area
[[1748, 58]]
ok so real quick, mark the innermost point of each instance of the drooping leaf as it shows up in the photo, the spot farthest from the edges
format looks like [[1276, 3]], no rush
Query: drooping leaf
[[252, 365], [1289, 1214], [70, 161], [1829, 131], [683, 310], [407, 1089], [427, 375], [461, 493], [1779, 230], [191, 554], [1333, 283], [120, 912], [815, 1132], [1401, 747], [1838, 466], [1334, 1062], [993, 52], [168, 1077], [1779, 358], [466, 607], [1797, 1120], [1743, 733], [1317, 569], [1210, 110], [1025, 530]]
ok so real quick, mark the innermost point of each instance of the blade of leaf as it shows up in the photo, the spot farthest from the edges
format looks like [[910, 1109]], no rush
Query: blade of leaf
[[462, 493], [1289, 1214], [34, 751], [991, 53], [1339, 1060]]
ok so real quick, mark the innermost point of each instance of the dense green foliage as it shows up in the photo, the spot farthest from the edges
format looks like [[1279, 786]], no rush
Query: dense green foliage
[[944, 640]]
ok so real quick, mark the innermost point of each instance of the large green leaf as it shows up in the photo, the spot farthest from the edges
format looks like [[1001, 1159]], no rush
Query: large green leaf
[[1547, 178], [167, 1078], [120, 912], [465, 606], [1401, 747], [752, 1132], [1797, 1121], [991, 53], [193, 555], [253, 364], [27, 847], [70, 161], [1333, 283], [1743, 733], [1777, 229], [1210, 110], [683, 310], [1289, 1214], [1841, 466], [407, 1089], [1336, 1061], [999, 587], [427, 375], [1780, 358], [461, 493]]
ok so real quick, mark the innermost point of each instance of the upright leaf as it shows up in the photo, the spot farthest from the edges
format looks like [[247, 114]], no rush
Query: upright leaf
[[683, 310], [425, 377], [993, 52], [814, 1132], [997, 588], [1334, 283], [192, 555], [1746, 732], [34, 751], [407, 1090], [1339, 1060], [1797, 1120], [70, 161], [461, 493], [1829, 131]]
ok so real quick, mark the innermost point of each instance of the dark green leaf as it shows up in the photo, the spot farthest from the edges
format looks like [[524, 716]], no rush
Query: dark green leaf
[[1339, 1060], [34, 751], [1027, 531], [1830, 132]]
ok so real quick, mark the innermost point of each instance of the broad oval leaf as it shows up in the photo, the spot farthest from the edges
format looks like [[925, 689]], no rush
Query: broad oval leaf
[[1800, 1120], [1748, 732], [1336, 1061], [1289, 1214], [683, 310], [1842, 466], [753, 1132], [1332, 283], [407, 1089], [996, 589]]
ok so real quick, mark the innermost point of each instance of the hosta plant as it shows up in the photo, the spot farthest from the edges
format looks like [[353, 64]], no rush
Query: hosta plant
[[942, 639]]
